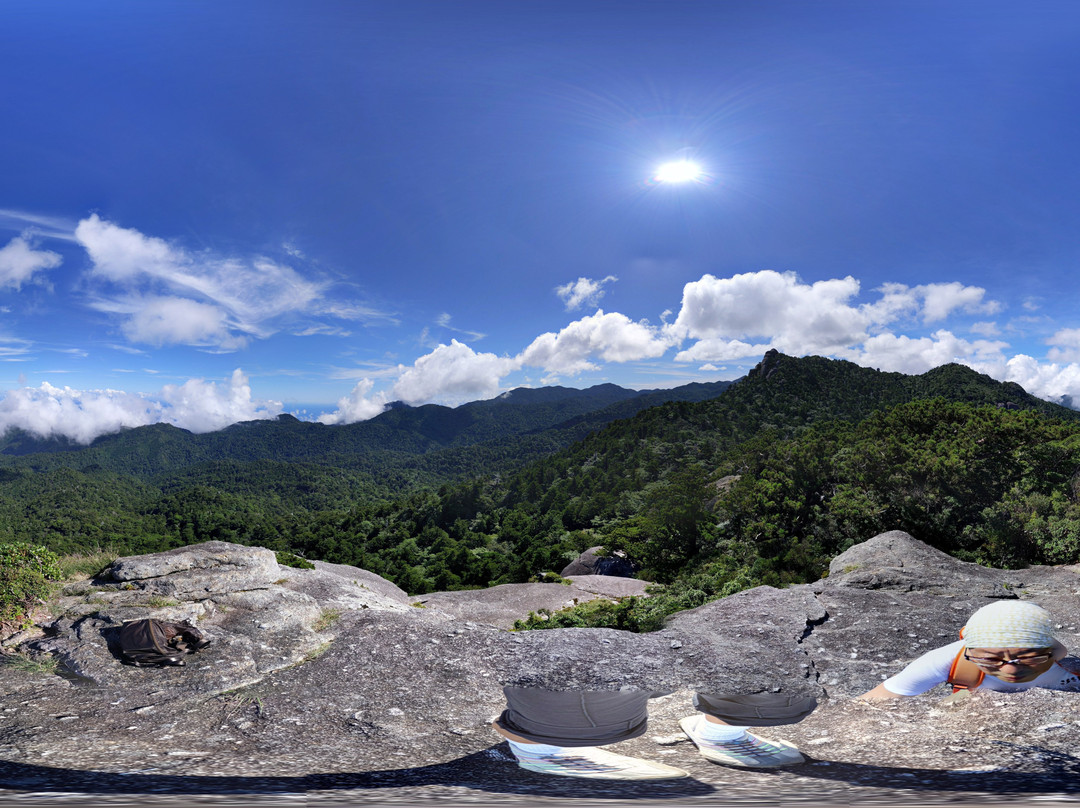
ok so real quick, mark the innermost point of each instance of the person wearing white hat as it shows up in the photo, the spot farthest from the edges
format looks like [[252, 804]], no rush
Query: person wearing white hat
[[1007, 645]]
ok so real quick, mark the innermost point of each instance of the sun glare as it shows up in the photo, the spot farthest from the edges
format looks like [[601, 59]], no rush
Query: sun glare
[[679, 171]]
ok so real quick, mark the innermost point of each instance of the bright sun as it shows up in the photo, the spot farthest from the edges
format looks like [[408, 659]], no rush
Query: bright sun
[[679, 171]]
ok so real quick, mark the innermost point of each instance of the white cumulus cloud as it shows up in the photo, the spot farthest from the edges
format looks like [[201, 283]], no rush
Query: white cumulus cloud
[[583, 292], [1048, 381], [793, 316], [20, 262], [736, 317], [122, 254], [612, 337], [452, 374], [1065, 345], [942, 299], [359, 405], [201, 406]]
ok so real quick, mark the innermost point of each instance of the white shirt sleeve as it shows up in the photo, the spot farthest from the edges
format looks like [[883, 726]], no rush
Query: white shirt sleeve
[[926, 672]]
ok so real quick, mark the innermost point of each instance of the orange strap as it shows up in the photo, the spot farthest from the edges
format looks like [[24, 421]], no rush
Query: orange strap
[[964, 675]]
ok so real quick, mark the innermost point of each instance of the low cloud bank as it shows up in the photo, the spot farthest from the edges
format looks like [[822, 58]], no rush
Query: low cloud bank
[[359, 405], [82, 415]]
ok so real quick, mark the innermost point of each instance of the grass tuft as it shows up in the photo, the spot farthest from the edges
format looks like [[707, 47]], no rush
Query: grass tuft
[[20, 662], [236, 701], [315, 653], [326, 619], [88, 564]]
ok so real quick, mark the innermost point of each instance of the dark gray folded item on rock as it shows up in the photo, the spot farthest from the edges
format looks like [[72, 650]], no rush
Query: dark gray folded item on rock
[[756, 709]]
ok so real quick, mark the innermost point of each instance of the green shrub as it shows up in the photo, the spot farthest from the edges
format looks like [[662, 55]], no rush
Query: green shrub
[[598, 613], [25, 573], [293, 560], [549, 578]]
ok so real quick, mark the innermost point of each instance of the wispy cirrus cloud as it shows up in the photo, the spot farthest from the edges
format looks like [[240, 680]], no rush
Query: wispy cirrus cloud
[[443, 321], [170, 320], [13, 349], [53, 227], [168, 295]]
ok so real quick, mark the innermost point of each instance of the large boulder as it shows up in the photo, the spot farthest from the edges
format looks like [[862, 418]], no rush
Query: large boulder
[[260, 616], [595, 561], [196, 572], [892, 598], [896, 561]]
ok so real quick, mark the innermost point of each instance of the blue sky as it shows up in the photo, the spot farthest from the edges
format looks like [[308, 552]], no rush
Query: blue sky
[[213, 212]]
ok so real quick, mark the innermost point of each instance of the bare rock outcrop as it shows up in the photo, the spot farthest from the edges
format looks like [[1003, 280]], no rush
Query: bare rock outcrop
[[329, 681], [505, 604], [892, 598]]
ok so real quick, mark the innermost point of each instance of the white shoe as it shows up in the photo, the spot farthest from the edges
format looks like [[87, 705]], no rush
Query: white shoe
[[750, 751], [594, 763]]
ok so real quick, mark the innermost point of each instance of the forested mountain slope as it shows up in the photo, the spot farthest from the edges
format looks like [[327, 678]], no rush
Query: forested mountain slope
[[779, 398], [759, 485]]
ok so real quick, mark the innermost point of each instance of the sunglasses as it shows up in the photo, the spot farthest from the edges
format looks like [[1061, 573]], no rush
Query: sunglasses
[[994, 664]]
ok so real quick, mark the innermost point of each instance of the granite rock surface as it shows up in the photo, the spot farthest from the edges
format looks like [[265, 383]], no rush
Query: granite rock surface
[[330, 683]]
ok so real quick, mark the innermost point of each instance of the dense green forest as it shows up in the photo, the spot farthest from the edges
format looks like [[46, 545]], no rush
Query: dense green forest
[[762, 481]]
